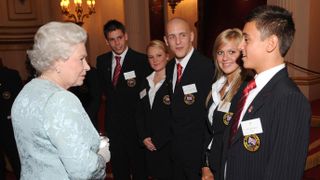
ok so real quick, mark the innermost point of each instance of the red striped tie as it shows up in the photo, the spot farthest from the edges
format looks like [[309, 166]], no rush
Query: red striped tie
[[117, 70], [179, 72], [234, 126]]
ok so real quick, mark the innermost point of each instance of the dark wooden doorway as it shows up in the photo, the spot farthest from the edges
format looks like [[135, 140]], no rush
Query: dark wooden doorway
[[217, 15]]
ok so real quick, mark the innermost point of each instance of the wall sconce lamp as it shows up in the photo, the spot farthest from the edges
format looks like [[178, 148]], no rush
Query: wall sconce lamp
[[173, 4], [78, 15]]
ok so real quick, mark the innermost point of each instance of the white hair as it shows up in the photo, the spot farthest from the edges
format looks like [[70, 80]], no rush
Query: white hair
[[55, 41]]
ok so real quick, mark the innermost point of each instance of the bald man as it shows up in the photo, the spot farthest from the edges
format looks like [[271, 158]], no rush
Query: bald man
[[190, 75]]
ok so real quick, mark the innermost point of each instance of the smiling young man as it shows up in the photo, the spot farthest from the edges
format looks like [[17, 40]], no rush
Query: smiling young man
[[121, 72], [190, 76], [271, 141]]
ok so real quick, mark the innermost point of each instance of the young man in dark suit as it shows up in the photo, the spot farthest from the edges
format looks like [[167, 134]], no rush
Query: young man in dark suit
[[190, 76], [10, 86], [270, 138], [121, 72]]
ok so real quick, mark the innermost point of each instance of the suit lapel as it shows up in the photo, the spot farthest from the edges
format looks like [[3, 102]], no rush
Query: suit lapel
[[208, 108], [146, 97], [108, 67], [260, 100], [169, 75], [126, 62], [187, 73]]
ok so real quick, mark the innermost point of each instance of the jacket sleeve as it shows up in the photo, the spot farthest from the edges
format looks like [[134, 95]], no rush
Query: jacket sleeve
[[290, 138]]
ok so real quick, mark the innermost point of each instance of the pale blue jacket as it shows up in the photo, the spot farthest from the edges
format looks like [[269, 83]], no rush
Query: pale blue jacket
[[54, 135]]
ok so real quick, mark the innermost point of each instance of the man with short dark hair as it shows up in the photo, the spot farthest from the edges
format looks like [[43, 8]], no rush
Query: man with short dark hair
[[271, 134], [121, 72]]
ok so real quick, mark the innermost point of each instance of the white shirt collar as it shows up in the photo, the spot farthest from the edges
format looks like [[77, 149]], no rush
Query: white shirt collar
[[185, 60], [216, 88], [264, 77], [150, 80], [123, 54]]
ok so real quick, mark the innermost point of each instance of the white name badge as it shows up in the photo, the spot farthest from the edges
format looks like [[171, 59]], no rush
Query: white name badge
[[189, 89], [252, 126], [129, 75], [143, 93], [224, 107]]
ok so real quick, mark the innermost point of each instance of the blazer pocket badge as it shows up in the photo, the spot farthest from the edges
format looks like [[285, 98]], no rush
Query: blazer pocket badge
[[130, 77], [6, 95], [131, 82], [189, 99], [166, 100], [227, 117], [251, 142]]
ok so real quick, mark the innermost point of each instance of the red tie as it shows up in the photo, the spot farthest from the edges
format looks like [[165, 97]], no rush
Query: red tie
[[117, 70], [179, 72], [234, 127]]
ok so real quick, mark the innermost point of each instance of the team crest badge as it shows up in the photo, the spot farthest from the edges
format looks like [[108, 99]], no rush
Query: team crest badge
[[227, 118], [189, 99], [131, 82], [251, 142], [6, 95], [166, 100]]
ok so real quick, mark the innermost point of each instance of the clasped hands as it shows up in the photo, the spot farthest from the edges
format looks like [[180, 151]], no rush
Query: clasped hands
[[207, 174], [149, 144], [104, 148]]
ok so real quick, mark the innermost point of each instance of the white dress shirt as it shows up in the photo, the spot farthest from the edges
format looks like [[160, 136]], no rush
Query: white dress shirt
[[261, 80], [183, 63], [153, 87], [114, 62]]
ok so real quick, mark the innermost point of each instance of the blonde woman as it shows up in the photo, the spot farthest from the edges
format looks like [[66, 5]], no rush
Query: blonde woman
[[154, 115], [223, 98]]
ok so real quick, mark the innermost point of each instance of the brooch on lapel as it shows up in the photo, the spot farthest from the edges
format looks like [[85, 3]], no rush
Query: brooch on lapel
[[250, 109]]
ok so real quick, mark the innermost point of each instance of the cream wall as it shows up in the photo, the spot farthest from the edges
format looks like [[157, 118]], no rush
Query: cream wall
[[305, 48], [137, 23], [13, 51], [19, 20], [134, 13], [105, 10]]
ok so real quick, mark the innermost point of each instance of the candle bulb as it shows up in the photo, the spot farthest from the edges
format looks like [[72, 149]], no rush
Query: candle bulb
[[78, 15]]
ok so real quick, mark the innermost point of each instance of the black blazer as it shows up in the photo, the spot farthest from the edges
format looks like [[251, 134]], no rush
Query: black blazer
[[216, 130], [10, 86], [189, 117], [285, 118], [155, 122], [121, 100]]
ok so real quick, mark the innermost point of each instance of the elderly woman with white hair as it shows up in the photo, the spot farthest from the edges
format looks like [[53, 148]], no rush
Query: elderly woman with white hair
[[54, 135]]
